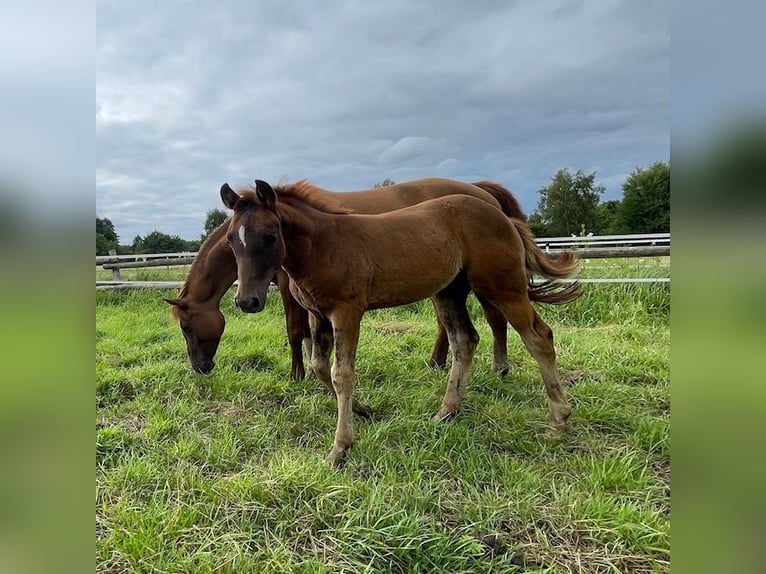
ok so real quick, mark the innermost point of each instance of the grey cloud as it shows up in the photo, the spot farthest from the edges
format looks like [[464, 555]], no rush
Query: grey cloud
[[190, 95]]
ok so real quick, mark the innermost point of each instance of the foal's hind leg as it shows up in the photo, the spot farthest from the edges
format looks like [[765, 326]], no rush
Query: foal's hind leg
[[538, 339], [499, 326], [438, 358], [463, 339], [322, 344]]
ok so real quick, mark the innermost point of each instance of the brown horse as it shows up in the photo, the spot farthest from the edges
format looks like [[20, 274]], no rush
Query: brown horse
[[342, 264], [197, 306]]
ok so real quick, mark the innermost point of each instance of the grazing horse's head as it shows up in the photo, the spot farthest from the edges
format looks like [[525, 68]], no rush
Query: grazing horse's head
[[255, 237], [202, 328]]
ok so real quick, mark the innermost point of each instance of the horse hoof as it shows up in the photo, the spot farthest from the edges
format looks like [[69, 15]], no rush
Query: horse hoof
[[436, 365], [554, 433], [501, 371], [336, 458], [556, 429], [443, 415], [362, 410]]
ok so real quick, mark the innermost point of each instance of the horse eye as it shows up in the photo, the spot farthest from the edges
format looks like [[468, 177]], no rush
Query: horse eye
[[269, 239], [186, 328]]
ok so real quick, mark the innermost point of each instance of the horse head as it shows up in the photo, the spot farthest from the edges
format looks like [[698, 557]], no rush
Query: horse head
[[255, 237], [202, 328]]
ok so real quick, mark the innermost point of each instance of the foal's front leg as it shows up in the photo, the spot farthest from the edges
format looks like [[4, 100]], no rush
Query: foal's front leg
[[322, 342], [346, 329], [296, 319]]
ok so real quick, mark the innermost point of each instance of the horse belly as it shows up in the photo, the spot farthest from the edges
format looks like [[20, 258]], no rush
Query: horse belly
[[412, 277]]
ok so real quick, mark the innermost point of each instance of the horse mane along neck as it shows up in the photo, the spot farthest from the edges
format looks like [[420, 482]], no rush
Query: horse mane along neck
[[306, 193], [206, 246]]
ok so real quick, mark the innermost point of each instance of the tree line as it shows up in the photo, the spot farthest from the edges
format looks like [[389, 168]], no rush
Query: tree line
[[107, 239], [569, 205]]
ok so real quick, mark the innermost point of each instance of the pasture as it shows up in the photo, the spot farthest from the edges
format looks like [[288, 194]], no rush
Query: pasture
[[226, 472]]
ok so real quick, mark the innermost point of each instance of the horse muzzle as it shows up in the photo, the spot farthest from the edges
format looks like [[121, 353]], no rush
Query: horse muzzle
[[203, 367], [250, 304]]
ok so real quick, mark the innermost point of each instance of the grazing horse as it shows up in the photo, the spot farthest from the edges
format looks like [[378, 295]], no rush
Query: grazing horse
[[196, 308], [342, 264]]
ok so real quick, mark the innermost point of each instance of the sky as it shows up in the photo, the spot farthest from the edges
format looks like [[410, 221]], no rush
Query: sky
[[192, 94]]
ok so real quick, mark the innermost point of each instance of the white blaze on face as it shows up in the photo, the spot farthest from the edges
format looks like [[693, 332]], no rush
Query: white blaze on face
[[241, 234]]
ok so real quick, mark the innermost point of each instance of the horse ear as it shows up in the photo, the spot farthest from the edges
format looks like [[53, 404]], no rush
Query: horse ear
[[265, 193], [175, 302], [228, 196]]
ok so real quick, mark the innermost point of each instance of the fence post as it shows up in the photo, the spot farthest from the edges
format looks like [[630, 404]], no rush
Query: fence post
[[115, 271]]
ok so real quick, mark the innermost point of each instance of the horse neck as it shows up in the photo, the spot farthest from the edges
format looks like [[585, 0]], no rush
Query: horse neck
[[302, 228], [215, 271]]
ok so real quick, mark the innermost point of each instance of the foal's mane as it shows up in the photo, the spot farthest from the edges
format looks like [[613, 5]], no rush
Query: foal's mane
[[211, 240], [307, 193]]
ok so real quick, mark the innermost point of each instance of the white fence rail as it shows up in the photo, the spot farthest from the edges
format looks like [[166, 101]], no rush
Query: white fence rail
[[588, 247], [634, 240]]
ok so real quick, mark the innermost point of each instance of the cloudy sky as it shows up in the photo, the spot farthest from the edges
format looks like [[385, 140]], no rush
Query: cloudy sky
[[190, 94]]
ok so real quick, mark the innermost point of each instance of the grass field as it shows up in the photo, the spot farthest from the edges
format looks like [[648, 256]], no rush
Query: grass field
[[226, 473]]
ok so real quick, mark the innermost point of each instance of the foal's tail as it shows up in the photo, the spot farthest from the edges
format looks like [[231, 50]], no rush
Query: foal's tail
[[537, 261], [508, 202]]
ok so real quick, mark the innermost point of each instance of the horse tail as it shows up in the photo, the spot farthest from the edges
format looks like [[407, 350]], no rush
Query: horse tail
[[537, 261], [508, 203]]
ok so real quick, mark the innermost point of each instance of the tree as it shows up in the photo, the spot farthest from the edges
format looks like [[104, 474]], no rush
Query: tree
[[106, 228], [213, 219], [607, 218], [103, 245], [158, 242], [106, 236], [645, 206], [192, 244], [384, 183], [537, 226], [568, 204]]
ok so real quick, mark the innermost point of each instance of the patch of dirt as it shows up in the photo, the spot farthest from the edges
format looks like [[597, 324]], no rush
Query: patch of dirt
[[544, 545], [228, 410], [395, 327], [131, 422]]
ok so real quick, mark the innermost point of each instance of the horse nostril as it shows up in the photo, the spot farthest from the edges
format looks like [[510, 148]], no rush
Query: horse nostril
[[250, 305]]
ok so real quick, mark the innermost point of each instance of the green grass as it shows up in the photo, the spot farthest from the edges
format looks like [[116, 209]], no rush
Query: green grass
[[226, 473]]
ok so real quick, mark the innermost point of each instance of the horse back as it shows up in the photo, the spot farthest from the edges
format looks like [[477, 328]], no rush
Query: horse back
[[410, 193]]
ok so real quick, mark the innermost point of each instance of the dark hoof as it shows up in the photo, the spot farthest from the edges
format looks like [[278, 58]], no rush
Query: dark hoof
[[436, 365], [501, 370], [361, 409]]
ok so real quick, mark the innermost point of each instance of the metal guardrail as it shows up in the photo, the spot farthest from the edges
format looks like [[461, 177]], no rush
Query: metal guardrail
[[631, 240], [101, 259], [588, 247]]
